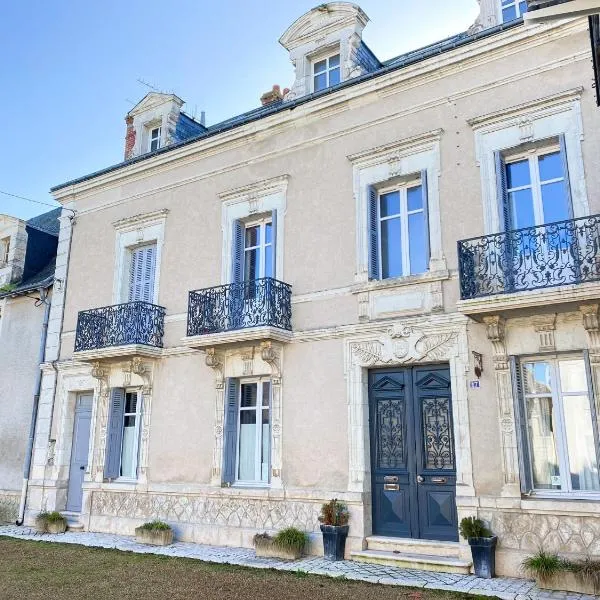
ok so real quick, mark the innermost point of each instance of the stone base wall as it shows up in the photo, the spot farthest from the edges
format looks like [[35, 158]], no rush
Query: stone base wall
[[9, 506], [218, 518]]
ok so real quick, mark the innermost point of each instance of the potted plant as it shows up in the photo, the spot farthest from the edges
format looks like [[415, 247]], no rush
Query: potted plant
[[51, 522], [155, 533], [334, 519], [287, 544], [551, 572], [483, 546]]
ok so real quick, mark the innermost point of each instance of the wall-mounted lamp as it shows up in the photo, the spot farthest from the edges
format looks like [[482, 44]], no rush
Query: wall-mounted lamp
[[477, 364]]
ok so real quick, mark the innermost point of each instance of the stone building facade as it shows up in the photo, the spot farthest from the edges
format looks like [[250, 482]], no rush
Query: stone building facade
[[257, 338]]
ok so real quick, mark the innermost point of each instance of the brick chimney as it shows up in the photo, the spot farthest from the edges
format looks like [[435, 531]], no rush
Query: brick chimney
[[129, 138], [274, 95]]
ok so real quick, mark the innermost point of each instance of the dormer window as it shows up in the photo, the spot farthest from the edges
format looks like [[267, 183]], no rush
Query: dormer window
[[513, 9], [326, 72], [154, 139], [4, 250]]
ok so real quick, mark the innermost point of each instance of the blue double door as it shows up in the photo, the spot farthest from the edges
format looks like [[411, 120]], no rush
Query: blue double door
[[413, 461]]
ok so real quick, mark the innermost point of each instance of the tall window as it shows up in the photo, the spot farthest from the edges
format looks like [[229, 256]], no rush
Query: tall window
[[560, 423], [513, 9], [402, 231], [254, 432], [141, 273], [131, 428], [4, 250], [326, 72], [536, 189], [258, 250], [154, 139]]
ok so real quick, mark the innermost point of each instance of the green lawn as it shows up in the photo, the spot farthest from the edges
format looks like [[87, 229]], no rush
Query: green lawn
[[31, 570]]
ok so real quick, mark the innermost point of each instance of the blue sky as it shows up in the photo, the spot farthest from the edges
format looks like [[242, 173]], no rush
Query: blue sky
[[69, 70]]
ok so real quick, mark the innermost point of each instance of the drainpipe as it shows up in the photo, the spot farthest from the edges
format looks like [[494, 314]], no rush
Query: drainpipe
[[36, 400]]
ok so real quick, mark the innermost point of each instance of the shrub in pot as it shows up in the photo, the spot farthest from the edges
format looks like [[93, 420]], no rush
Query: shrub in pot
[[552, 572], [483, 546], [51, 522], [155, 533], [334, 519], [287, 544]]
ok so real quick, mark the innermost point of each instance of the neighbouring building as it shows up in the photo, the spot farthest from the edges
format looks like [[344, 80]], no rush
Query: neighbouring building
[[381, 285], [27, 253]]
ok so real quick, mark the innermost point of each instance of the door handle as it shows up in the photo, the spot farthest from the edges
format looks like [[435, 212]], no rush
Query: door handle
[[82, 468], [420, 479]]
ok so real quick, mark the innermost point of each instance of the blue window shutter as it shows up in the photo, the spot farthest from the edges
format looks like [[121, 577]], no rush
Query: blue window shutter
[[592, 398], [504, 211], [373, 232], [274, 242], [425, 192], [141, 274], [230, 433], [521, 425], [114, 435], [237, 252], [565, 165]]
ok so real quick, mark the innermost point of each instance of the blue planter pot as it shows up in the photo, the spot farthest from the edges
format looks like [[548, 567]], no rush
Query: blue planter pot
[[334, 541], [483, 551]]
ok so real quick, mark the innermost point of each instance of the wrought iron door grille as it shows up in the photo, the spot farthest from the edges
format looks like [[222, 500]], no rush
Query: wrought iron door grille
[[120, 325], [256, 303], [561, 253]]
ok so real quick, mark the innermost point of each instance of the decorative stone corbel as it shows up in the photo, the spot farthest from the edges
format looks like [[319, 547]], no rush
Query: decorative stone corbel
[[545, 326], [214, 360], [496, 334], [591, 324], [101, 374], [272, 357]]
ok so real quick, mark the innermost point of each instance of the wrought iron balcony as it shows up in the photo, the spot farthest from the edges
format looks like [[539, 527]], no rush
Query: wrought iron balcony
[[133, 323], [258, 303], [556, 254]]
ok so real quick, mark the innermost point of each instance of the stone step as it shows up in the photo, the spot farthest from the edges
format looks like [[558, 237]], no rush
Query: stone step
[[423, 562], [412, 546]]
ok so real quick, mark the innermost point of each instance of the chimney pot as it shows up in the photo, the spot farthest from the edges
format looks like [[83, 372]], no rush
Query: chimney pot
[[273, 95]]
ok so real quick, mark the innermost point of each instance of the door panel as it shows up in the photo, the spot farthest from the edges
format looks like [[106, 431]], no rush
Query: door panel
[[79, 451], [412, 453]]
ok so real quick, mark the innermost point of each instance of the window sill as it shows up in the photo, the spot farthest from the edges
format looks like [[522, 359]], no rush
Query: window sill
[[566, 503], [396, 282]]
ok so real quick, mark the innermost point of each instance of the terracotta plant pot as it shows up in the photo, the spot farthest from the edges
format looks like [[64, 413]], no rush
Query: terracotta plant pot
[[154, 537], [269, 549]]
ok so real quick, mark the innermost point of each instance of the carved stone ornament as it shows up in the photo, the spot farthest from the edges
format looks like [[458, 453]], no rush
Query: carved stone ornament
[[215, 361], [101, 374], [591, 323], [404, 345], [496, 334], [272, 357]]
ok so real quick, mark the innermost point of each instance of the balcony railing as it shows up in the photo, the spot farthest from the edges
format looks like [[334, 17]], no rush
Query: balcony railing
[[258, 303], [139, 323], [556, 254]]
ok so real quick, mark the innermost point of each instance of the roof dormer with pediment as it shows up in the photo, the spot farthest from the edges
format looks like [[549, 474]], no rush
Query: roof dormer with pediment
[[329, 31]]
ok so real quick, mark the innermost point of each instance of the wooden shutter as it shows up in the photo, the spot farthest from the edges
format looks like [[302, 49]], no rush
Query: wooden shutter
[[274, 242], [114, 435], [230, 434], [237, 252], [504, 210], [425, 192], [521, 426], [141, 274], [565, 166], [592, 397], [373, 232]]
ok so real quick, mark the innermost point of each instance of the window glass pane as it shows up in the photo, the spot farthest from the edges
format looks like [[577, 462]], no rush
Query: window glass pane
[[523, 7], [128, 448], [269, 261], [517, 174], [334, 61], [247, 445], [522, 208], [572, 376], [251, 265], [334, 76], [554, 200], [130, 402], [265, 446], [537, 378], [417, 243], [266, 392], [509, 14], [414, 196], [389, 204], [252, 236], [583, 463], [320, 82], [268, 233], [153, 145], [248, 395], [391, 248], [542, 445], [550, 166], [320, 66]]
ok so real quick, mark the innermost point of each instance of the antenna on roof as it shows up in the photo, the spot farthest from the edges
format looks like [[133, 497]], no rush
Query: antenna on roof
[[148, 85]]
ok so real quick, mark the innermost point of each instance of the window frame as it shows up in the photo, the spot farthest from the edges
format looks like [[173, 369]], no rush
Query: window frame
[[402, 187], [262, 246], [325, 57], [138, 426], [258, 381], [4, 251], [561, 443], [516, 4], [152, 138]]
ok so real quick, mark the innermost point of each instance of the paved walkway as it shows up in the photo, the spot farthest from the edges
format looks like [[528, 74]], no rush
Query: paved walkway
[[502, 587]]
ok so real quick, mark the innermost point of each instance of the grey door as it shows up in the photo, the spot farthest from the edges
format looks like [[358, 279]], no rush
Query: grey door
[[412, 453], [79, 451]]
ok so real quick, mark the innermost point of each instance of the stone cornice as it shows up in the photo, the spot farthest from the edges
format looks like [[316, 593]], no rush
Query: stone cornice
[[260, 188], [141, 220]]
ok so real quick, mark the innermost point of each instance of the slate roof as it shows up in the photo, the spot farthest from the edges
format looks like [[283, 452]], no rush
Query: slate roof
[[399, 62], [47, 222]]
